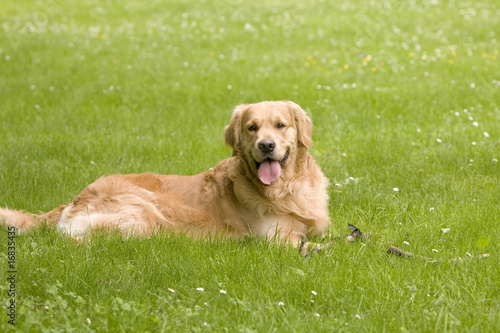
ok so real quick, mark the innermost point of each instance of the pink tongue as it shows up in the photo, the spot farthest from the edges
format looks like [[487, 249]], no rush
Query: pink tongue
[[269, 171]]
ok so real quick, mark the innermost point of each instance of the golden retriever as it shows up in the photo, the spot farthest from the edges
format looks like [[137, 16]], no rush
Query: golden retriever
[[270, 187]]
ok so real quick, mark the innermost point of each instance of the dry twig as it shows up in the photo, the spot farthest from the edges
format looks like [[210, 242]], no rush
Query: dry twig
[[399, 252], [357, 234]]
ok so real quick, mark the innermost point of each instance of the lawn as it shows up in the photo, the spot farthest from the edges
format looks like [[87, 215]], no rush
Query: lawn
[[405, 101]]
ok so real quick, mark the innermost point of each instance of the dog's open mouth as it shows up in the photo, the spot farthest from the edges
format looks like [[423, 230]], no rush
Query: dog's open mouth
[[269, 170]]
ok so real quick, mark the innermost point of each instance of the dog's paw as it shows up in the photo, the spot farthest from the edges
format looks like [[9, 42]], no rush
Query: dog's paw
[[309, 248]]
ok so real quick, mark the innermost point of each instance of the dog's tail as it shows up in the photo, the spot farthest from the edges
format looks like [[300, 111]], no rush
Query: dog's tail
[[24, 220]]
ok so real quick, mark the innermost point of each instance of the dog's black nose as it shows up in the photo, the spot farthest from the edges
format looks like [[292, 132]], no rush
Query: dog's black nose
[[267, 145]]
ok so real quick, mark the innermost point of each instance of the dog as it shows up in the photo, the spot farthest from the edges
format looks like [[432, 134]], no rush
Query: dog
[[271, 187]]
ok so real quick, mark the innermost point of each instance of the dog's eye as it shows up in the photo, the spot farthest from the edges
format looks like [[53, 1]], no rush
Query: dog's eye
[[252, 128], [280, 125]]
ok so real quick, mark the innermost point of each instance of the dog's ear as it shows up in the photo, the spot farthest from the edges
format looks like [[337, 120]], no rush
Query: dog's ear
[[232, 132], [303, 124]]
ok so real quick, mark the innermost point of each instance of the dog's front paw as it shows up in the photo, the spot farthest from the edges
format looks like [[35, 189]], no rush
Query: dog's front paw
[[309, 248]]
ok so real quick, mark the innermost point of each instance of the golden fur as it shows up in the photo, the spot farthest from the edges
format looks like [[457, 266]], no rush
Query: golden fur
[[228, 200]]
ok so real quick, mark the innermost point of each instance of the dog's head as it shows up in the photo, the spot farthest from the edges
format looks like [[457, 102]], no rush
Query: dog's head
[[268, 136]]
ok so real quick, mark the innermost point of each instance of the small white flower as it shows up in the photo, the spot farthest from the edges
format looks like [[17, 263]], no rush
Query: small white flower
[[206, 324], [431, 209], [357, 316], [351, 178], [406, 243], [281, 303], [317, 315], [495, 160], [473, 85], [419, 130], [473, 143], [37, 106], [229, 87], [313, 292], [471, 119], [223, 291], [439, 140], [486, 135], [445, 230], [472, 161], [475, 124], [465, 110], [171, 290], [395, 189], [89, 321], [457, 113], [434, 250], [200, 289]]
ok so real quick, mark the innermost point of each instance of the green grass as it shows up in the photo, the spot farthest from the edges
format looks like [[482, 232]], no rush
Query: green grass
[[102, 87]]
